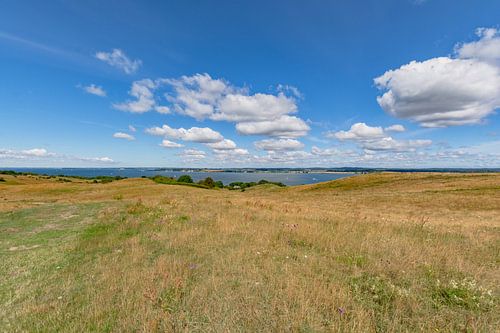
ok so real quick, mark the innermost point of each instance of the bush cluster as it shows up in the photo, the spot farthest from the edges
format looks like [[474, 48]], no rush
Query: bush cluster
[[244, 185], [209, 182]]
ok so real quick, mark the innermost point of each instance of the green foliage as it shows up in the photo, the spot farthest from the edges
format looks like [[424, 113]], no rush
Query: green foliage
[[183, 218], [463, 293], [170, 299], [172, 181], [243, 185], [373, 290], [208, 182], [107, 179], [379, 294], [185, 179], [163, 179], [353, 260], [97, 230], [15, 173]]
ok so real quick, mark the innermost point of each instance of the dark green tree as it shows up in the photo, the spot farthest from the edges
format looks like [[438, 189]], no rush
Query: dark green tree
[[185, 179], [208, 182]]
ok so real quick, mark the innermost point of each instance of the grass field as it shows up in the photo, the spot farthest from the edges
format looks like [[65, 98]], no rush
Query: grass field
[[373, 253]]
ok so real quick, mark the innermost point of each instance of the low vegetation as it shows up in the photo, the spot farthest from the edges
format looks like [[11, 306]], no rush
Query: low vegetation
[[182, 180], [209, 183], [382, 252], [63, 178], [243, 185]]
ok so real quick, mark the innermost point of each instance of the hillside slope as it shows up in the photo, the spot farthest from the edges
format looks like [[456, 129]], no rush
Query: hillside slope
[[373, 253]]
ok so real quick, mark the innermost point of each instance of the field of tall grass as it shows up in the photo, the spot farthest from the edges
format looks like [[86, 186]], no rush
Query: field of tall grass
[[381, 252]]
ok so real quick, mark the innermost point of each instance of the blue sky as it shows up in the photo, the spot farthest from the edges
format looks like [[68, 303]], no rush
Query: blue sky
[[250, 83]]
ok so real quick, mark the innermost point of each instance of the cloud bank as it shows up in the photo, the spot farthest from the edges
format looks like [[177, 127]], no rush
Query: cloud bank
[[202, 97], [377, 139]]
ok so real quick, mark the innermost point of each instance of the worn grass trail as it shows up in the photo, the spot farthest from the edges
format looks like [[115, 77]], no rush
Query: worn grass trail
[[374, 253]]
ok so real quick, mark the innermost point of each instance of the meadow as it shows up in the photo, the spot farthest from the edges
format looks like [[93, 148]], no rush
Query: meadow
[[384, 252]]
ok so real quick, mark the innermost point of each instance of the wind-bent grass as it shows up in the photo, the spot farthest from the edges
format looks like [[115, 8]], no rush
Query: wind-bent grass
[[374, 253]]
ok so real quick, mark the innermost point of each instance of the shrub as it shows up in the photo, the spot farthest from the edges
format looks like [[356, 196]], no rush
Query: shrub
[[208, 182], [163, 179], [242, 185], [172, 181], [108, 179], [185, 179], [2, 180]]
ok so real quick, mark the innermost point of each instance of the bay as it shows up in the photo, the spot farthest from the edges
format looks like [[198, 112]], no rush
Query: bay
[[287, 178]]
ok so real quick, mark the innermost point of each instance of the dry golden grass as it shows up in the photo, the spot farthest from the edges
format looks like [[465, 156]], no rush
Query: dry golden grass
[[374, 253]]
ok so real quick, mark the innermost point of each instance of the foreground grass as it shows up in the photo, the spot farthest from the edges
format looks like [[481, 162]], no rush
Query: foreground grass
[[373, 253]]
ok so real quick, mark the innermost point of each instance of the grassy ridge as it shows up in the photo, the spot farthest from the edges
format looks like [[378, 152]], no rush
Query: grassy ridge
[[373, 253]]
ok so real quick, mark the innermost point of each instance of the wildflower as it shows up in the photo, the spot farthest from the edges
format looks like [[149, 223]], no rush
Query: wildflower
[[341, 311]]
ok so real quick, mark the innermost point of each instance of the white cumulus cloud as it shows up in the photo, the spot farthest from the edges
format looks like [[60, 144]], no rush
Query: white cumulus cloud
[[285, 126], [193, 134], [121, 135], [94, 90], [279, 144], [197, 96], [170, 144], [391, 144], [144, 97], [193, 155], [487, 48], [37, 152], [446, 91], [233, 155], [359, 131], [324, 151], [41, 156], [162, 109], [202, 97], [225, 144], [375, 138], [144, 100], [258, 107], [395, 128], [104, 159]]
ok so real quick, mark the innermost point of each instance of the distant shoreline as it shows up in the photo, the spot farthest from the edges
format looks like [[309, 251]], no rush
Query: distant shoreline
[[226, 177], [341, 170]]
